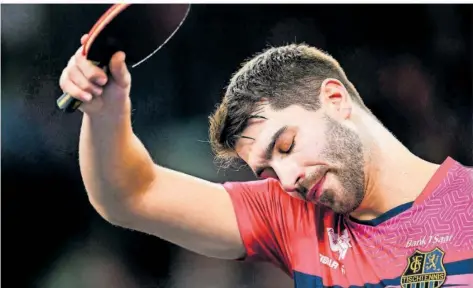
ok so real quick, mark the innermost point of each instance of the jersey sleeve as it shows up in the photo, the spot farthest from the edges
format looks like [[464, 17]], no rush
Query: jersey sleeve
[[261, 209]]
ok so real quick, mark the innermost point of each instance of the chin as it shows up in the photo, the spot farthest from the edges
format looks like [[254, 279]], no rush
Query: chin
[[345, 206]]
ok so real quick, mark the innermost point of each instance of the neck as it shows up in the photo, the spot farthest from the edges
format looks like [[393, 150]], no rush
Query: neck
[[393, 175]]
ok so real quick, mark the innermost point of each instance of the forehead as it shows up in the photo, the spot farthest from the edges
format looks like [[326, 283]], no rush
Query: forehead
[[262, 130]]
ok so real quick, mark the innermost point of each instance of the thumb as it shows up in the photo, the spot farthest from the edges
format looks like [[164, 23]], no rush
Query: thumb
[[119, 71]]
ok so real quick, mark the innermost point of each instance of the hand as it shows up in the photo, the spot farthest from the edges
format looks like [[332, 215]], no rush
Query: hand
[[90, 84]]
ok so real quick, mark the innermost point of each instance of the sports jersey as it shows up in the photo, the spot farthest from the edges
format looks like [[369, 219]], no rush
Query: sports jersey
[[425, 243]]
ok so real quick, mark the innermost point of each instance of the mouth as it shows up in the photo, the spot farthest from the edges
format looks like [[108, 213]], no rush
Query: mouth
[[316, 191]]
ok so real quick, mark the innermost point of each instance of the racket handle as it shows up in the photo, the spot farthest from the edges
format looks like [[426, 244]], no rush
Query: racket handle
[[67, 103]]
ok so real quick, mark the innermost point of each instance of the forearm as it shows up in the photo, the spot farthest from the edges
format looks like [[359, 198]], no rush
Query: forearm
[[114, 164]]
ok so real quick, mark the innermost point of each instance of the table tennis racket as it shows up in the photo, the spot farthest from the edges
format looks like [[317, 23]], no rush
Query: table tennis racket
[[139, 30]]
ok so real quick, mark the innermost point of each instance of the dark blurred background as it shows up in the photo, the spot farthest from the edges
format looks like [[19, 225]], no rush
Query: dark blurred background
[[411, 63]]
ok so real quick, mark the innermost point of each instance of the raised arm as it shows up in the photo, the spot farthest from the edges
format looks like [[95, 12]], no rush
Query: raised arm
[[126, 187]]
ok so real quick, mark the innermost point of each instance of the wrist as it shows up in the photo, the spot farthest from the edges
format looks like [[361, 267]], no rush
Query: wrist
[[110, 121], [117, 111]]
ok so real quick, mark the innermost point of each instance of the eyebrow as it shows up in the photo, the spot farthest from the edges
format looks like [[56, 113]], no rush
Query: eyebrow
[[269, 149]]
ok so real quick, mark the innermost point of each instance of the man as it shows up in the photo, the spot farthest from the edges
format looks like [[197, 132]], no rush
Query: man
[[341, 201]]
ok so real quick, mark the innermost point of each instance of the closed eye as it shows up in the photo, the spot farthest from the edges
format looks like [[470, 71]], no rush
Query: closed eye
[[289, 149], [267, 172], [284, 142]]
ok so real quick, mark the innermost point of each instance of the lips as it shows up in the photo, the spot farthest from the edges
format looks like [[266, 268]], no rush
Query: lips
[[315, 192]]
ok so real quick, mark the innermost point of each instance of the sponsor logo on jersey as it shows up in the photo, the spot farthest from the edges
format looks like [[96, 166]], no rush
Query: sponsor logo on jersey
[[339, 243], [424, 269]]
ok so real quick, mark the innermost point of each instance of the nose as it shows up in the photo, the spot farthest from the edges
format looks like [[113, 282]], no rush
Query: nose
[[289, 175]]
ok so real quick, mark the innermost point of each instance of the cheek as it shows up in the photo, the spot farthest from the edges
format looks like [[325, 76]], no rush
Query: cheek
[[340, 189], [333, 183], [311, 148], [244, 152]]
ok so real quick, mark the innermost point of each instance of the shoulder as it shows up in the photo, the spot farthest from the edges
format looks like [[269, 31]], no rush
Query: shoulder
[[460, 172], [450, 180]]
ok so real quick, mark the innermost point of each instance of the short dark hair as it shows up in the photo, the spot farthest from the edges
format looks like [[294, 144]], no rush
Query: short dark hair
[[282, 76]]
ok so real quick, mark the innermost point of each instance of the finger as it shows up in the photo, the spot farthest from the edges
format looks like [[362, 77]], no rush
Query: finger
[[64, 79], [83, 39], [79, 52], [76, 77], [74, 91], [119, 71], [91, 72]]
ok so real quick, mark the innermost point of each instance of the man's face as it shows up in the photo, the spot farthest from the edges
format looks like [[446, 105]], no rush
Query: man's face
[[314, 156]]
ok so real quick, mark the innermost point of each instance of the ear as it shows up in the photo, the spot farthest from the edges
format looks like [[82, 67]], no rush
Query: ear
[[335, 100]]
